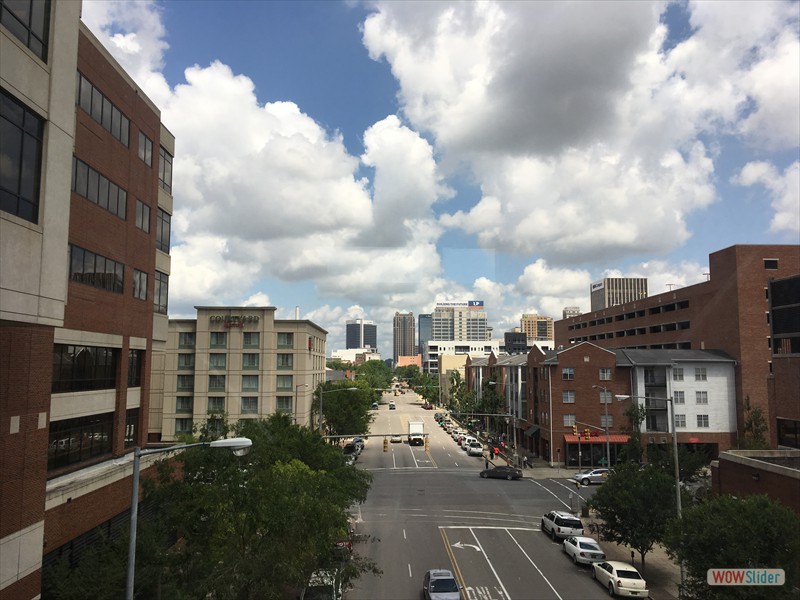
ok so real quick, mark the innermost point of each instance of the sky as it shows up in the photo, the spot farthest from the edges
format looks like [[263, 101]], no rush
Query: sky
[[354, 159]]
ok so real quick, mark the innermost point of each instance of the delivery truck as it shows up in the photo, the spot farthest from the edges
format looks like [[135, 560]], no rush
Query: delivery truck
[[416, 433]]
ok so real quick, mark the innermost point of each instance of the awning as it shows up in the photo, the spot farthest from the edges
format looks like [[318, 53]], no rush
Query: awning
[[532, 430], [613, 438]]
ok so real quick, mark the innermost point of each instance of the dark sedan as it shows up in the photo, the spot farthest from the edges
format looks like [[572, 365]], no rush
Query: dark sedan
[[502, 472]]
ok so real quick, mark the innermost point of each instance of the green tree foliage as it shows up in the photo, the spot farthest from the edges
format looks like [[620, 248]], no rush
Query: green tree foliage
[[632, 450], [337, 364], [345, 412], [375, 373], [634, 506], [409, 372], [690, 462], [755, 428], [752, 532]]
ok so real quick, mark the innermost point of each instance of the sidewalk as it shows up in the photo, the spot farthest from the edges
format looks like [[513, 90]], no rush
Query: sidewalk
[[661, 573]]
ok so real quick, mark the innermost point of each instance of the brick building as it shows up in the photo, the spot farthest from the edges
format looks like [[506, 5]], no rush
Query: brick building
[[784, 382], [729, 312], [84, 267]]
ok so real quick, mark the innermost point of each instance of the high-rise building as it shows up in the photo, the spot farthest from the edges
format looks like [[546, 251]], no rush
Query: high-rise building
[[459, 321], [84, 220], [536, 327], [612, 291], [424, 330], [403, 334], [361, 334], [570, 311]]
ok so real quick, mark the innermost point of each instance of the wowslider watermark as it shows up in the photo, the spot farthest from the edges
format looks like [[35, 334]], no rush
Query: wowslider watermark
[[746, 577]]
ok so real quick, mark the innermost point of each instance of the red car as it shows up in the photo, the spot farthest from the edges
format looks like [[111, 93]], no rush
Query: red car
[[427, 406]]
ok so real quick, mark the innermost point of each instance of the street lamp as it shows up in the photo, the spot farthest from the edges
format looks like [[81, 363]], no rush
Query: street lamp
[[294, 411], [675, 456], [605, 404], [323, 392], [239, 446]]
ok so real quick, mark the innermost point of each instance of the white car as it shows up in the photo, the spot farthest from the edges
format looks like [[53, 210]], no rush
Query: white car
[[468, 439], [620, 579], [560, 524], [475, 448], [583, 550]]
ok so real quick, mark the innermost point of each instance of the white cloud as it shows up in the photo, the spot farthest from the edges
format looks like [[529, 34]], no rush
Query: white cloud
[[784, 190]]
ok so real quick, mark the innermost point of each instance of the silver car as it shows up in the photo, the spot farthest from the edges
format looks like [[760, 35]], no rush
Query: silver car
[[588, 476], [582, 550], [439, 584]]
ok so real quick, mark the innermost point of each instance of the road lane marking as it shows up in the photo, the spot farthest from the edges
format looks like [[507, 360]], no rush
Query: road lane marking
[[404, 534], [491, 566], [456, 569], [549, 492], [461, 545], [409, 570], [535, 566]]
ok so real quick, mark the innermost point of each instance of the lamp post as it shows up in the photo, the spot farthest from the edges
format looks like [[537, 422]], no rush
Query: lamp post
[[294, 411], [323, 392], [239, 446], [605, 404], [674, 430]]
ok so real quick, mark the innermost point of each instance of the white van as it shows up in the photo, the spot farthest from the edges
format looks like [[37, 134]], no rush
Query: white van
[[467, 441]]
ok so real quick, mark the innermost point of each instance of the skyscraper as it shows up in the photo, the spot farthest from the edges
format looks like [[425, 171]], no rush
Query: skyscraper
[[459, 321], [537, 327], [403, 332], [612, 291], [424, 330], [361, 334]]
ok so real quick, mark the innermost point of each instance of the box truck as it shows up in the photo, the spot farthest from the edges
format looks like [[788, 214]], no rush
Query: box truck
[[416, 433]]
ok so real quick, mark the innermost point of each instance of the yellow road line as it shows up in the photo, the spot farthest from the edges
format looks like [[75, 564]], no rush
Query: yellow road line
[[456, 570]]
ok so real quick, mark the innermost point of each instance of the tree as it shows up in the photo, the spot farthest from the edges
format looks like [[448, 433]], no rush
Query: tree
[[632, 450], [690, 462], [752, 532], [634, 506], [337, 364], [346, 412], [755, 426], [408, 372], [375, 373], [258, 526]]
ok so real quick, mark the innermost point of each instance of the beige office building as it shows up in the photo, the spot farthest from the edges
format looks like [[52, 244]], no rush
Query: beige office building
[[238, 360], [537, 327]]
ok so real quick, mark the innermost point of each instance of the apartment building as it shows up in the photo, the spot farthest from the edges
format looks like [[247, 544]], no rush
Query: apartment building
[[240, 361], [729, 312], [459, 321], [84, 267], [537, 328]]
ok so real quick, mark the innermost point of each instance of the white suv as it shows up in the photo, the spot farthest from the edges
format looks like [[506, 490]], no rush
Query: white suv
[[475, 448], [560, 524]]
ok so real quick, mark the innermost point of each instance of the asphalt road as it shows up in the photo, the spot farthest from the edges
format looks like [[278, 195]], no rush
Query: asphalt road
[[430, 509]]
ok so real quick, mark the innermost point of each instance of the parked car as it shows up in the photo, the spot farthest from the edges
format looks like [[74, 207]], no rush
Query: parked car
[[583, 550], [351, 448], [325, 584], [560, 524], [588, 476], [620, 579], [375, 405], [475, 449], [439, 584], [392, 406], [396, 439], [503, 472], [360, 443], [466, 441], [427, 406]]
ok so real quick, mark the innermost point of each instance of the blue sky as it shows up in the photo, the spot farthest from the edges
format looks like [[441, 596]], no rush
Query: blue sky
[[353, 159]]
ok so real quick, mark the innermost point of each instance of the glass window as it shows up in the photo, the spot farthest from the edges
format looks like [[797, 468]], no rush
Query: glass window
[[21, 134], [135, 361], [250, 361], [605, 397], [677, 374], [163, 224], [183, 426], [219, 339], [217, 361], [285, 340], [285, 361], [96, 188], [701, 397], [184, 404], [568, 396], [73, 441], [216, 404], [284, 382], [250, 382], [131, 427], [700, 374], [606, 420], [186, 361], [251, 339], [284, 404], [568, 373], [95, 270], [101, 109], [161, 293], [142, 216], [186, 383], [679, 397], [83, 368], [216, 382], [186, 339], [702, 420], [249, 405], [139, 285], [605, 374], [29, 22], [145, 149], [165, 170], [569, 420], [680, 420]]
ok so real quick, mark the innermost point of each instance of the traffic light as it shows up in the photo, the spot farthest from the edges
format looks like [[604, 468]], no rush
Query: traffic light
[[575, 430], [586, 433], [385, 445]]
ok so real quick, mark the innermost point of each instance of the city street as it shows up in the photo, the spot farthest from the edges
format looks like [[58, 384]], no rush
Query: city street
[[431, 510]]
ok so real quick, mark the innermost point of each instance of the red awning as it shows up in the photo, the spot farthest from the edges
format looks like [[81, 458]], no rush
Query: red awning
[[613, 438]]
